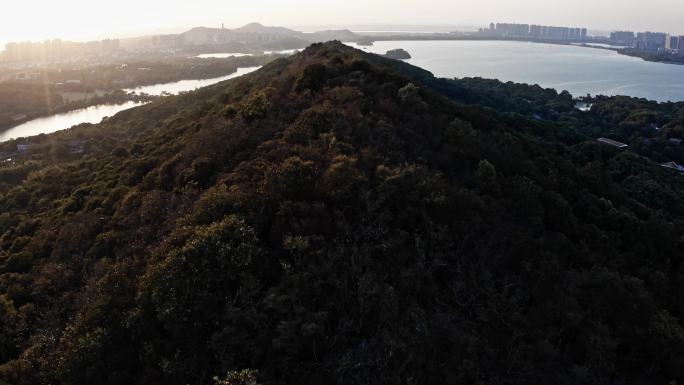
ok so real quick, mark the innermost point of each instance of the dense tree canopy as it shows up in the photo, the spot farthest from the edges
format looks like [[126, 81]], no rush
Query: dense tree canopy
[[340, 218]]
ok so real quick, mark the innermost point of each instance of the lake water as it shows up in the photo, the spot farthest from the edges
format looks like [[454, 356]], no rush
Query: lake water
[[601, 45], [65, 120], [187, 85], [95, 114], [237, 54], [282, 52], [580, 70]]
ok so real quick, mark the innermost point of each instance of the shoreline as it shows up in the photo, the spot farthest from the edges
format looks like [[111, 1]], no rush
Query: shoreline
[[119, 96], [105, 101], [114, 97], [382, 45], [645, 56]]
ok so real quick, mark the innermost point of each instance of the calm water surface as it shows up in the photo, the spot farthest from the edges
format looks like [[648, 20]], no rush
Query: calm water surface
[[580, 70], [95, 114], [187, 85], [238, 54], [282, 52], [58, 122]]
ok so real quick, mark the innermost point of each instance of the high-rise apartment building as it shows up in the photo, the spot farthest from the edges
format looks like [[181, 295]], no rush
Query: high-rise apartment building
[[625, 38], [650, 41]]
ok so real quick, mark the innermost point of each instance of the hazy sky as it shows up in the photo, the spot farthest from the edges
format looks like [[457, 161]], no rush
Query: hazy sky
[[87, 19]]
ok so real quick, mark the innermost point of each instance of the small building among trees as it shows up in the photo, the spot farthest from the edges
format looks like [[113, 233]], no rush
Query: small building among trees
[[612, 142], [673, 166]]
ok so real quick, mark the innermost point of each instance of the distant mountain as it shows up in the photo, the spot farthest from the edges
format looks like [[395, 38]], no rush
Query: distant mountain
[[337, 34], [253, 36], [342, 218], [260, 28]]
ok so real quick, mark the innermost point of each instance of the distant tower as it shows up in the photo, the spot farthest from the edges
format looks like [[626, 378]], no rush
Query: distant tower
[[222, 27]]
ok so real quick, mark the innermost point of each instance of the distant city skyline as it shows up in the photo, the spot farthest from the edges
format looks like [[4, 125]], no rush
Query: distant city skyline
[[80, 20]]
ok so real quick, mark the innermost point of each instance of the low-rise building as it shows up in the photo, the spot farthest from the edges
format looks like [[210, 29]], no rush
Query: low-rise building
[[612, 142], [76, 147], [673, 166]]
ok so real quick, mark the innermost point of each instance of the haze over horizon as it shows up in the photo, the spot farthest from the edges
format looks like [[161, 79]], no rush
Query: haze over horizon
[[79, 20]]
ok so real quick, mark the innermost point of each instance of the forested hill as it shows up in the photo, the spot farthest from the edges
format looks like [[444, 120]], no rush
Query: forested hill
[[341, 218]]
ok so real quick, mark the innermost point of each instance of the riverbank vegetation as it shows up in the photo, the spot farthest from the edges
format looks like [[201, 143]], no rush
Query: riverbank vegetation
[[659, 57], [21, 103], [59, 89]]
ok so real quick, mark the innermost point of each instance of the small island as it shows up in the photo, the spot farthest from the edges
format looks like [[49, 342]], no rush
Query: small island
[[364, 41], [398, 54]]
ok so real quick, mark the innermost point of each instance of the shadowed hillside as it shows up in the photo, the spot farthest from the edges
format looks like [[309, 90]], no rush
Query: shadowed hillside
[[340, 218]]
